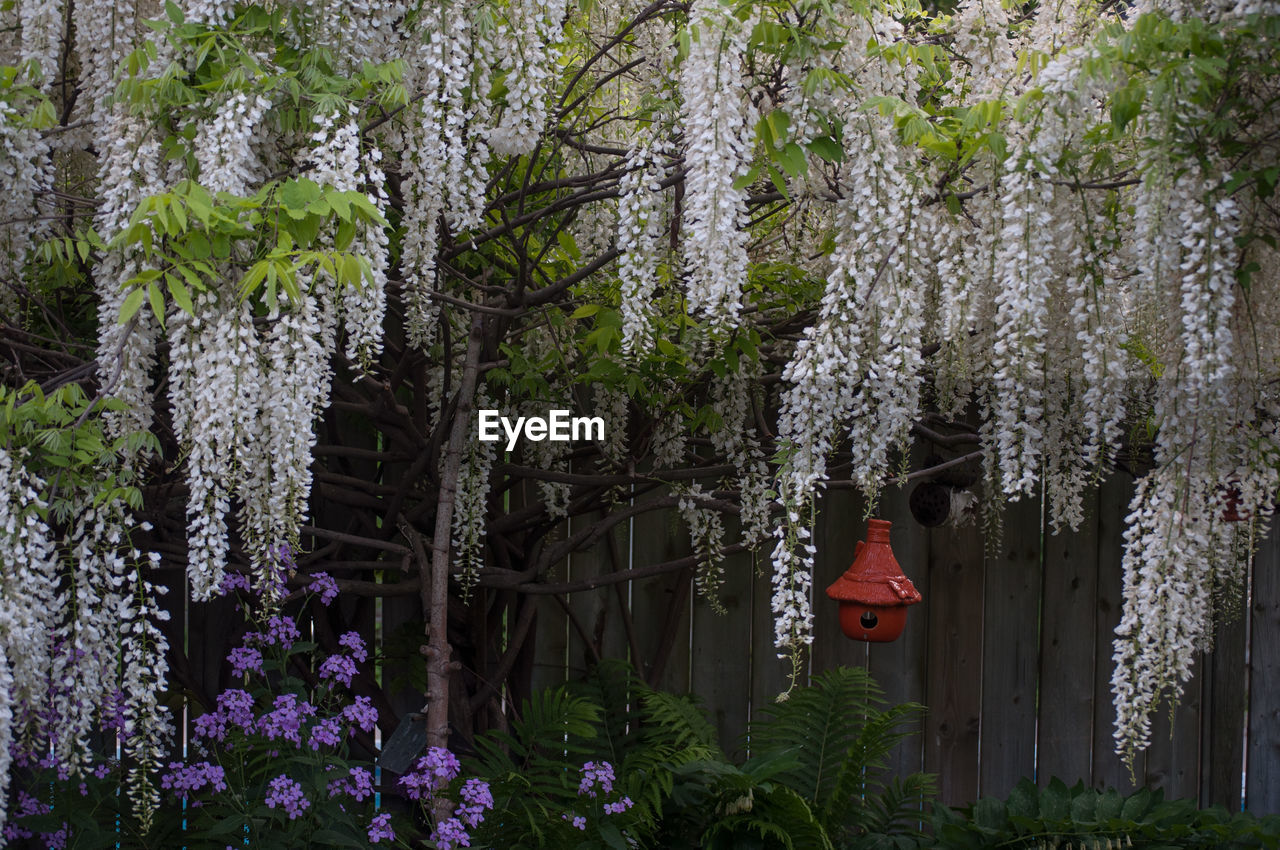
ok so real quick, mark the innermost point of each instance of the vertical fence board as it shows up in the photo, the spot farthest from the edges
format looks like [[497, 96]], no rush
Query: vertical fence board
[[1223, 711], [954, 689], [899, 666], [1010, 652], [721, 669], [768, 671], [1173, 759], [593, 611], [661, 605], [1109, 770], [1067, 652], [1263, 785]]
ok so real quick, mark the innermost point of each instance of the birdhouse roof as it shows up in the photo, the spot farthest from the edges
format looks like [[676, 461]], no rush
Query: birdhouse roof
[[875, 578]]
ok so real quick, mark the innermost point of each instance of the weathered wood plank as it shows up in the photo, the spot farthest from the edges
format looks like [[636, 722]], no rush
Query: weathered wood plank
[[1109, 770], [768, 671], [1067, 651], [661, 606], [1173, 759], [720, 672], [954, 688], [1010, 652], [1262, 792], [899, 666], [1223, 712]]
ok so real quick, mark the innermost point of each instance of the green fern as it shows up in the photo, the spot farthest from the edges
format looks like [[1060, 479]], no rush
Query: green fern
[[838, 736]]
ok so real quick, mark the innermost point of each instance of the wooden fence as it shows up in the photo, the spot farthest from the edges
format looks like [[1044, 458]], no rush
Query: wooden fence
[[1011, 653]]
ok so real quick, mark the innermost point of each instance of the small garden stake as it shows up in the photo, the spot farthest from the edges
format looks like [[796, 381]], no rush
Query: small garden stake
[[873, 593]]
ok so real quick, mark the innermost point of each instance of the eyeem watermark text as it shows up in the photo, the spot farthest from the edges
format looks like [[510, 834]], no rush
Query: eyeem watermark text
[[558, 425]]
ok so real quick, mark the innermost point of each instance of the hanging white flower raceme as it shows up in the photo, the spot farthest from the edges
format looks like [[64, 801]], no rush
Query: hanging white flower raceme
[[223, 145], [640, 231], [1177, 545], [445, 149], [24, 163], [717, 119], [528, 54], [104, 35], [706, 532], [30, 605], [470, 507], [42, 23]]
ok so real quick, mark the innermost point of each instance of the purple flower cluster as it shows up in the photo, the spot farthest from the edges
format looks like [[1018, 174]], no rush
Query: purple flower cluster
[[325, 586], [432, 772], [325, 733], [281, 631], [579, 822], [286, 719], [380, 828], [594, 775], [245, 660], [361, 713], [338, 668], [287, 794], [476, 800], [183, 779], [27, 806], [353, 642], [450, 833], [357, 784], [235, 709], [618, 807], [233, 581]]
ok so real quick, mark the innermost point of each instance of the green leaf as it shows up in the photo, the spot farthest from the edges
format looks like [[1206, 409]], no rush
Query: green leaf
[[174, 12], [180, 294], [132, 303], [567, 243], [827, 148], [793, 160], [585, 310], [156, 297]]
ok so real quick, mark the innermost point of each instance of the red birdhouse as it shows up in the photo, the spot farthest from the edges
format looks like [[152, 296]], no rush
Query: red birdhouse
[[873, 593]]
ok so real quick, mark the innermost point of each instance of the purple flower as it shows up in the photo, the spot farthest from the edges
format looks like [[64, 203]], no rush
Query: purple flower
[[102, 770], [235, 708], [280, 630], [323, 584], [380, 828], [339, 668], [326, 733], [184, 779], [432, 772], [245, 659], [618, 807], [579, 822], [285, 720], [358, 784], [353, 642], [287, 794], [476, 800], [451, 833], [233, 581], [361, 713], [56, 840], [594, 774]]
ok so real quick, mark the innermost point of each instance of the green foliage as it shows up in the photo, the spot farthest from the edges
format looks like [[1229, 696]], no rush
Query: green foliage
[[63, 439], [815, 777], [1055, 815]]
